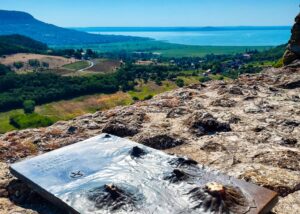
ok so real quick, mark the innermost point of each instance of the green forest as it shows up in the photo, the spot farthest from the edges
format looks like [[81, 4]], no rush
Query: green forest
[[20, 44]]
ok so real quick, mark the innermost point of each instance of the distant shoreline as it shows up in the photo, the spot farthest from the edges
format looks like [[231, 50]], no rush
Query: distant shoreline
[[179, 29], [203, 36]]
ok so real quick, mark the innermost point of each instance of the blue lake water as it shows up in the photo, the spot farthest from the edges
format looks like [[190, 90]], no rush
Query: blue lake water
[[219, 36]]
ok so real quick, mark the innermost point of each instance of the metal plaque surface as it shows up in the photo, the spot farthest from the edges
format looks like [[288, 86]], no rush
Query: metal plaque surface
[[108, 174]]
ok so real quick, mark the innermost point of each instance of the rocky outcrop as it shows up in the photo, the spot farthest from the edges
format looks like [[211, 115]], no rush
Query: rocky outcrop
[[248, 128], [203, 123], [161, 141], [293, 49]]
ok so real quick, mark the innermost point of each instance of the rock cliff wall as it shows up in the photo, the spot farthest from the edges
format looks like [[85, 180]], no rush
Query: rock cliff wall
[[293, 49]]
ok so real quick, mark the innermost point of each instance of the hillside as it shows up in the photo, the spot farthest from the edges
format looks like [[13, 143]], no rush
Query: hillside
[[11, 44], [49, 62], [15, 22], [255, 134]]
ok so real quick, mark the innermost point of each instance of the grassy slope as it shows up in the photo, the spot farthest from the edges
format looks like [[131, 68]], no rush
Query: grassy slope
[[4, 121], [65, 110], [68, 109], [143, 90]]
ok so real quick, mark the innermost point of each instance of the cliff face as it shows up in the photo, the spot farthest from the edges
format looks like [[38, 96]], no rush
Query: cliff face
[[293, 49], [248, 128]]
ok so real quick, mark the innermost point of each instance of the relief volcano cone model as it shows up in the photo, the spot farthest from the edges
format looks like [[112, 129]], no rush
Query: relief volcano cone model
[[216, 198]]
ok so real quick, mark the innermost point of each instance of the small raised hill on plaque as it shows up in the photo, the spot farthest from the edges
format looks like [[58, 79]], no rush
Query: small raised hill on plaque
[[108, 174]]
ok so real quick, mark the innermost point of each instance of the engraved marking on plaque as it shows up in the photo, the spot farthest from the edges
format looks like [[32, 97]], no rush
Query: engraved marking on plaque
[[100, 176], [52, 163], [76, 174]]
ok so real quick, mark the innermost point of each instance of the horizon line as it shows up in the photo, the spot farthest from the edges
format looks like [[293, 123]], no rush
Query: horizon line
[[208, 26]]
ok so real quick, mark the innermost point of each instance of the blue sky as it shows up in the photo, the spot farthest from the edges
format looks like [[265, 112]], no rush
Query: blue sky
[[80, 13]]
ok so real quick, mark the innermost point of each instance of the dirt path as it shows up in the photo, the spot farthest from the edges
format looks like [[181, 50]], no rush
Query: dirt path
[[90, 66]]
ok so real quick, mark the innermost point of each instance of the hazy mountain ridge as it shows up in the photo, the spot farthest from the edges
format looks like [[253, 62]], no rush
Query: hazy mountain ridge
[[15, 22]]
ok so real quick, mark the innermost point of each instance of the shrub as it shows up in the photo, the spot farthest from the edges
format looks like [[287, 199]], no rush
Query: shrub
[[204, 79], [219, 77], [278, 64], [34, 63], [180, 83], [23, 121], [28, 106], [4, 69], [135, 98], [18, 65], [148, 97], [45, 64], [158, 81]]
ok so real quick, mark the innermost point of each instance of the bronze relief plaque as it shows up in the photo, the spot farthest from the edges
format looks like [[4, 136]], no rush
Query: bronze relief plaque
[[108, 174]]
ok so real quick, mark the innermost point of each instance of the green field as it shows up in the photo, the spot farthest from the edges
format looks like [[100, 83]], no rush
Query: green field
[[69, 109], [77, 65], [4, 121], [200, 51], [167, 49]]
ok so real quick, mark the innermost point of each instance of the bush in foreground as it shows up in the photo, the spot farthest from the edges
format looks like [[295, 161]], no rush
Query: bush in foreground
[[23, 121], [28, 106], [279, 63], [204, 79], [180, 83], [148, 97]]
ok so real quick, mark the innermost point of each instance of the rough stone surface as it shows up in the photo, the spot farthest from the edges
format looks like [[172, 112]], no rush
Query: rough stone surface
[[293, 51], [262, 145], [289, 204], [160, 141]]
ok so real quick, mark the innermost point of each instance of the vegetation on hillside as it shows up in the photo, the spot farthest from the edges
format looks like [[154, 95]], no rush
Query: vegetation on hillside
[[4, 70], [69, 109], [47, 87], [127, 73], [11, 44], [33, 120]]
